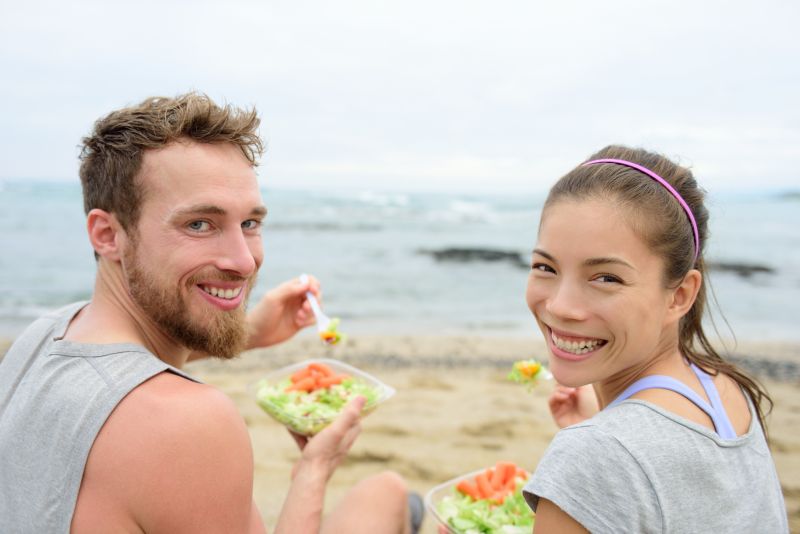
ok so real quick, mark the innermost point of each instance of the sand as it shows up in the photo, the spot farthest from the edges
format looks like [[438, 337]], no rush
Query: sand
[[454, 411]]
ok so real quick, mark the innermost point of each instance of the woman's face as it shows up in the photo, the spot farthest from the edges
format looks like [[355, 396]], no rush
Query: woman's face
[[597, 293]]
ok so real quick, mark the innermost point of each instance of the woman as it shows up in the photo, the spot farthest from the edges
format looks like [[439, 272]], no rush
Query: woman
[[672, 438]]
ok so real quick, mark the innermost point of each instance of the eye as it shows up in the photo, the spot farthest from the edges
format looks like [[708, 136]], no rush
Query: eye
[[251, 224], [608, 279], [199, 226], [542, 267]]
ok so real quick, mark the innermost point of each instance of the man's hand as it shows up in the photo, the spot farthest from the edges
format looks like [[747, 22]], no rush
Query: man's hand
[[570, 406], [325, 451], [281, 313], [322, 454]]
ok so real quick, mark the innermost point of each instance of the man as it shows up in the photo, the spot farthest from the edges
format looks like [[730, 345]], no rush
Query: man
[[100, 430]]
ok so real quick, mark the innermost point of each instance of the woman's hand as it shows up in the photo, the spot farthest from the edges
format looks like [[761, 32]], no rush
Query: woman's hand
[[282, 312], [570, 406]]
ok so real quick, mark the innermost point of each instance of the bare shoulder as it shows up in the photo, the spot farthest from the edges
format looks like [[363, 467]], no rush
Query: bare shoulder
[[173, 456]]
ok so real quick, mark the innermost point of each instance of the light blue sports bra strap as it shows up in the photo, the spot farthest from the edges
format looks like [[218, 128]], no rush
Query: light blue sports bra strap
[[719, 416], [664, 382], [715, 411]]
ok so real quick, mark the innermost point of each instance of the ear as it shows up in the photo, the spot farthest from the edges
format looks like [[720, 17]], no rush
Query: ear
[[683, 297], [105, 234]]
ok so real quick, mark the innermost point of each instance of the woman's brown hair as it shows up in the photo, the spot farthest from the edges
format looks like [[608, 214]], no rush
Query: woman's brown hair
[[659, 219]]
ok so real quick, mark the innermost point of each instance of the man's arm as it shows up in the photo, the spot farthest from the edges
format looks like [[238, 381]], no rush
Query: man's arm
[[173, 457], [322, 454]]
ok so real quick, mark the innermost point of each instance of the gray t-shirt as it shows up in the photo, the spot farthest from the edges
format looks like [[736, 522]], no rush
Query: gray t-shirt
[[55, 395], [636, 467]]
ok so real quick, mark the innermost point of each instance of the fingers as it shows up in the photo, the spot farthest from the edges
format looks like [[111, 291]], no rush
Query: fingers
[[351, 414], [301, 441], [560, 395], [327, 449], [307, 282], [347, 425], [565, 389]]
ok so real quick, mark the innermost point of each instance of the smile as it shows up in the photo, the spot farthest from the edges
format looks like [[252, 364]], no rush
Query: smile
[[576, 346], [221, 293]]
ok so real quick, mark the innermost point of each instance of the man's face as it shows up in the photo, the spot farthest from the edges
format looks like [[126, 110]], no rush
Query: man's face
[[194, 257]]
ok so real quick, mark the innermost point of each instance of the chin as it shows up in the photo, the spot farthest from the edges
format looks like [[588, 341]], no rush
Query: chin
[[568, 377]]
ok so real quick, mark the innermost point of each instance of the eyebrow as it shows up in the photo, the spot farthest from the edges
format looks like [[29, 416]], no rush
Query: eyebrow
[[591, 262], [210, 209]]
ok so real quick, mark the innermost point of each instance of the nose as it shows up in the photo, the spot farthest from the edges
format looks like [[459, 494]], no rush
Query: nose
[[239, 253], [567, 302]]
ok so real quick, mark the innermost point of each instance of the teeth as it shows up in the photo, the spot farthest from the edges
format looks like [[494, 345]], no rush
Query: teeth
[[576, 347], [222, 293]]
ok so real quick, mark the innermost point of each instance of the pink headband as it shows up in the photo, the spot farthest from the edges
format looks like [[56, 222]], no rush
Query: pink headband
[[666, 185]]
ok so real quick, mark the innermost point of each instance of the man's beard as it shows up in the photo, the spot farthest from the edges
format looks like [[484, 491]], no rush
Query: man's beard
[[223, 333]]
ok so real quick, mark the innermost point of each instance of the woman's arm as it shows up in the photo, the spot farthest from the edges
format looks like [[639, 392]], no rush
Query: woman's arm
[[550, 518]]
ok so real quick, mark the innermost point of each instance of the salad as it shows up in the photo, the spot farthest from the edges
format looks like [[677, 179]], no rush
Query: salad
[[528, 372], [489, 501], [308, 396], [331, 335]]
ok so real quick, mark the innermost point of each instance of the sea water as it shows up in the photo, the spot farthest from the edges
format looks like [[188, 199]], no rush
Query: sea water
[[369, 251]]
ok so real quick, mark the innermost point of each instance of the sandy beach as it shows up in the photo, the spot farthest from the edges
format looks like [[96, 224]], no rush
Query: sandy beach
[[455, 412]]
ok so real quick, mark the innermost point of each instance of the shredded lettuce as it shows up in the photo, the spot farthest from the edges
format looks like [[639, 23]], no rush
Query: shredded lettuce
[[528, 372], [331, 335], [468, 516], [308, 413]]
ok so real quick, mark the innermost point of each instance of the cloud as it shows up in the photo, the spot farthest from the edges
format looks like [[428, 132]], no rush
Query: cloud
[[420, 94]]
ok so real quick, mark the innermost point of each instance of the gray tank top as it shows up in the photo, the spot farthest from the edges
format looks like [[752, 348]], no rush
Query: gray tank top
[[55, 395]]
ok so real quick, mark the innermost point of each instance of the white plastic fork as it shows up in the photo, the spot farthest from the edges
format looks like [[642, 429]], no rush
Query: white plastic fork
[[322, 320]]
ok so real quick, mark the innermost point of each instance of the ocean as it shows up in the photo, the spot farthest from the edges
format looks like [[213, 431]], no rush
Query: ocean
[[374, 253]]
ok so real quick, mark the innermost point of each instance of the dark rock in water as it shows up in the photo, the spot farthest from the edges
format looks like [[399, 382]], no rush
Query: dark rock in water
[[789, 195], [465, 255], [468, 255], [744, 270]]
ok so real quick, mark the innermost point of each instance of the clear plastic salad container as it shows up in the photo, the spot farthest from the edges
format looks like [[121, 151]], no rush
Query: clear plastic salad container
[[457, 513], [306, 413]]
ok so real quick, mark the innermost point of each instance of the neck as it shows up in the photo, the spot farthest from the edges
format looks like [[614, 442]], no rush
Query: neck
[[113, 317], [665, 360]]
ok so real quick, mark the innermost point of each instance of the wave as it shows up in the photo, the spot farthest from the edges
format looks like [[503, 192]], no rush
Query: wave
[[322, 226]]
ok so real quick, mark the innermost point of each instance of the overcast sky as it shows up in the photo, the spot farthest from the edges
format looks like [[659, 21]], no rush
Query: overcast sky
[[406, 95]]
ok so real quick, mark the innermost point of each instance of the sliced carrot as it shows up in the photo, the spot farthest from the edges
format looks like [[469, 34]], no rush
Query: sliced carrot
[[328, 381], [484, 486], [468, 488], [497, 478], [301, 374], [323, 369], [507, 469], [305, 384]]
